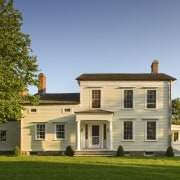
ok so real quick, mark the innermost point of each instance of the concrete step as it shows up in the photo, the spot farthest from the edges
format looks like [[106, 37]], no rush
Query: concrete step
[[94, 153]]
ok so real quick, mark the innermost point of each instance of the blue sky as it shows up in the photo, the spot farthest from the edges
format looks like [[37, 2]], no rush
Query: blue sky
[[71, 37]]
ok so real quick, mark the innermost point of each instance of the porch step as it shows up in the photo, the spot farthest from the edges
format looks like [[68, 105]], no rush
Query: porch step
[[94, 153]]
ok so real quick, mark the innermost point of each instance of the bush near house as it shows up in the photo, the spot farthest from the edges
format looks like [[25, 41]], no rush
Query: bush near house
[[17, 151], [69, 151], [170, 152], [120, 151]]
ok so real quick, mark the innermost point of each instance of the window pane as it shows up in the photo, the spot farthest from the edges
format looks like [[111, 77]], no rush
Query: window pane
[[96, 97], [40, 131], [151, 130], [60, 131], [128, 98], [128, 130], [2, 135], [151, 98], [105, 132], [176, 136], [86, 131]]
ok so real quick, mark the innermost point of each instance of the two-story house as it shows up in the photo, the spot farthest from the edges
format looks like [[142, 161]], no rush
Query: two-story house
[[132, 110]]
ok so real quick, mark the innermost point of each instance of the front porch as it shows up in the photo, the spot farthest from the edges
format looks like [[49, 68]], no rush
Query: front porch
[[94, 130]]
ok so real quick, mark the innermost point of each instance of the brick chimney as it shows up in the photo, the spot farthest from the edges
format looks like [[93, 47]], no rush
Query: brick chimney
[[154, 67], [42, 83], [23, 93]]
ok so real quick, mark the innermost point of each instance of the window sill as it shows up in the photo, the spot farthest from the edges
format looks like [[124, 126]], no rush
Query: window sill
[[124, 140], [151, 109], [176, 143], [128, 109], [59, 139], [40, 139]]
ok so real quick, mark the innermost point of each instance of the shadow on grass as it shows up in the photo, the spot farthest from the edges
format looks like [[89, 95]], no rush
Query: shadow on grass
[[86, 169]]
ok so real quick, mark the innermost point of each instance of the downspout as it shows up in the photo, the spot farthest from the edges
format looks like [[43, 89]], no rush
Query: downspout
[[170, 116]]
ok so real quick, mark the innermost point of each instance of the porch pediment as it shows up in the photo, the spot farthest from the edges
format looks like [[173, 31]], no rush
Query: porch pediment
[[94, 115]]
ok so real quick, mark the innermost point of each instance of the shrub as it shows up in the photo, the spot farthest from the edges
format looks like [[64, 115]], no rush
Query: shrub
[[69, 151], [120, 151], [170, 151], [17, 151]]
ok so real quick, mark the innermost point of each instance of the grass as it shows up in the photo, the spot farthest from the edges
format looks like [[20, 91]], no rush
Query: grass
[[89, 168]]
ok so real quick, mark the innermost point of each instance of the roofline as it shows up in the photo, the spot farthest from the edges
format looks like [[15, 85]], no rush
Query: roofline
[[99, 77], [49, 102]]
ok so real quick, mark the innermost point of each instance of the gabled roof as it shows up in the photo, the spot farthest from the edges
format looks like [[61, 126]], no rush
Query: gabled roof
[[60, 98], [125, 77]]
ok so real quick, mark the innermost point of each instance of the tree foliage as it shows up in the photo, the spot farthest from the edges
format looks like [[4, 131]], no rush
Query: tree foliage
[[176, 111], [17, 67]]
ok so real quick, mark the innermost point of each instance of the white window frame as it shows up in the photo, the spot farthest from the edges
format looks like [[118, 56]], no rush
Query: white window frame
[[36, 131], [133, 129], [101, 93], [123, 99], [151, 140], [146, 99], [55, 131], [1, 139], [33, 108]]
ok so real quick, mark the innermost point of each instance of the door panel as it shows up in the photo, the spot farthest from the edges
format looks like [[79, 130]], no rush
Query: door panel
[[95, 135]]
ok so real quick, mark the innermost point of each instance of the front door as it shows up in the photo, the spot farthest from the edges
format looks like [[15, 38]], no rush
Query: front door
[[95, 136]]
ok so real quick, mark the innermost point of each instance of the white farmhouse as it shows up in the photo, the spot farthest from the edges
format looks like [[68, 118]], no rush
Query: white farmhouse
[[131, 110]]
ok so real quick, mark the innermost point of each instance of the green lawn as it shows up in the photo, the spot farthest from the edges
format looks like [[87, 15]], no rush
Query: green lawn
[[57, 167]]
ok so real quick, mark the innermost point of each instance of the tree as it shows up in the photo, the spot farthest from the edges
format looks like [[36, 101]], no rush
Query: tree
[[17, 67], [176, 111]]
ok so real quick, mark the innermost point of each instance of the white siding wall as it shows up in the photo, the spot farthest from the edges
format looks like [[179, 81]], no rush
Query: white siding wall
[[50, 115], [12, 135], [112, 97]]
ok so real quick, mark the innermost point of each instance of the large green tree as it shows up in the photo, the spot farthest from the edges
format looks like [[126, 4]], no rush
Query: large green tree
[[18, 67]]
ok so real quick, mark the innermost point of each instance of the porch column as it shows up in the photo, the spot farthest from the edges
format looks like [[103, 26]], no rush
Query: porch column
[[110, 134], [78, 136]]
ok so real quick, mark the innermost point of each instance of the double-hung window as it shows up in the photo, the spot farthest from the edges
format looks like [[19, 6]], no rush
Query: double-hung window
[[128, 130], [2, 135], [151, 130], [40, 131], [96, 98], [151, 99], [60, 131], [128, 99]]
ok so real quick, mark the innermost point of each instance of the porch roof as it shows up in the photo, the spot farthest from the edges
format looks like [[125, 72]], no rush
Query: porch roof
[[95, 111]]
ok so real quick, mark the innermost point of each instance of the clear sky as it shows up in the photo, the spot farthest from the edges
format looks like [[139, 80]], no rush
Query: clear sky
[[71, 37]]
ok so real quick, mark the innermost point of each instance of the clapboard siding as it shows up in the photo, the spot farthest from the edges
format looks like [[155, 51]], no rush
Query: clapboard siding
[[112, 93], [112, 100], [12, 129], [112, 97], [50, 115]]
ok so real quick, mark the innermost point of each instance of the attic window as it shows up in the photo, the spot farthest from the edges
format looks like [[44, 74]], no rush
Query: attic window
[[67, 110], [33, 110]]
